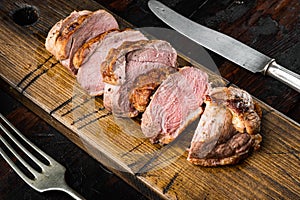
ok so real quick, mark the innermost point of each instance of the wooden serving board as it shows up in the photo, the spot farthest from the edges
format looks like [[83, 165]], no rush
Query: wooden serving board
[[38, 80]]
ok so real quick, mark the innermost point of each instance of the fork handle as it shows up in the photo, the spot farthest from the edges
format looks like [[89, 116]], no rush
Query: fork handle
[[71, 192]]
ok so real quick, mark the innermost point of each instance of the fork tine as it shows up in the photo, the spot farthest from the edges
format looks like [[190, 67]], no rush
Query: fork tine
[[51, 177], [15, 167], [33, 171], [38, 162]]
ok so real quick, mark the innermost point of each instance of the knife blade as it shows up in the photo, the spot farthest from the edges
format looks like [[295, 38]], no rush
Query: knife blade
[[225, 46]]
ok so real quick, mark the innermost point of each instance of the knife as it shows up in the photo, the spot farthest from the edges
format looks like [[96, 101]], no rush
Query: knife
[[225, 46]]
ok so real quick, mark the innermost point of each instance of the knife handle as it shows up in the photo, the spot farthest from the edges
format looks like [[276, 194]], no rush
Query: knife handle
[[284, 75]]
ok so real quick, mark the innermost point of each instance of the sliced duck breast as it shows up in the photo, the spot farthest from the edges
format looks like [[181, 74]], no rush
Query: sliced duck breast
[[121, 104], [90, 56], [175, 104], [58, 28], [123, 65], [144, 86], [155, 51], [80, 30], [228, 129]]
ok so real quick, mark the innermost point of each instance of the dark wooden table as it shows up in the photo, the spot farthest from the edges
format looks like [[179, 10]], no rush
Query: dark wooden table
[[272, 27]]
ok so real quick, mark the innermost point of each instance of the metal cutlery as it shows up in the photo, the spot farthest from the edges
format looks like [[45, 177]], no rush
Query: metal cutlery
[[51, 175], [225, 46]]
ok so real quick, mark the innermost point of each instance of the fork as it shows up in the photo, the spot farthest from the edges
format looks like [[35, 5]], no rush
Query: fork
[[51, 176]]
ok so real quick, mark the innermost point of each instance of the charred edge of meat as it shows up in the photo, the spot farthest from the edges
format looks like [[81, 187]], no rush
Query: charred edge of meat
[[237, 105], [71, 18], [56, 31], [179, 103], [257, 109], [107, 67], [79, 56], [89, 76], [236, 149], [65, 34], [89, 26], [145, 85], [72, 27], [140, 97], [234, 143]]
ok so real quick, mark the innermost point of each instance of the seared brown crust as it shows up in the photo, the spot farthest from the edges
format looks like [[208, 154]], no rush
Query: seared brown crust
[[235, 155], [81, 53], [258, 109], [69, 35], [145, 85], [73, 17], [65, 35], [140, 97], [236, 138], [58, 28], [107, 67], [244, 110]]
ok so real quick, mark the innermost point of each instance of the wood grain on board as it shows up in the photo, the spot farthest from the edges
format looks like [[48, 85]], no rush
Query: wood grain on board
[[46, 87]]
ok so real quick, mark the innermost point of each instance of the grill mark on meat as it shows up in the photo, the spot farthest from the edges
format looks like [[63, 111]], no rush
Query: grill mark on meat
[[38, 76], [237, 105], [32, 72], [77, 31], [57, 29], [73, 16], [71, 28], [66, 33], [81, 53]]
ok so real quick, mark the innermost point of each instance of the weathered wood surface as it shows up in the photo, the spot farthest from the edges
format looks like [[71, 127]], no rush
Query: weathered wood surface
[[48, 89], [81, 168]]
